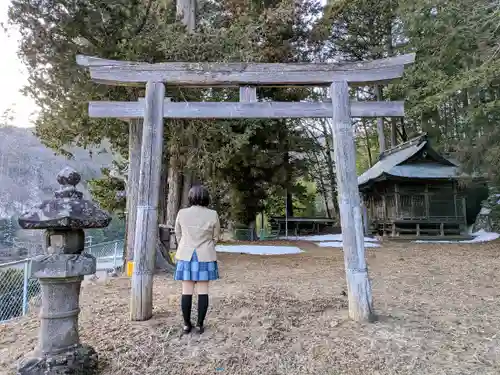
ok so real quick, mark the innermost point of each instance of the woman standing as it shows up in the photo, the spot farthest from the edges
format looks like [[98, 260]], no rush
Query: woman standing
[[197, 229]]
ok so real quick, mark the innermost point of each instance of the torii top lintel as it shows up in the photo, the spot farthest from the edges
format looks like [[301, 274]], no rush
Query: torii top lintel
[[114, 72]]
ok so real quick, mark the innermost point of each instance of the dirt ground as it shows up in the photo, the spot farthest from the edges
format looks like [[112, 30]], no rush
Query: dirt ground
[[438, 306]]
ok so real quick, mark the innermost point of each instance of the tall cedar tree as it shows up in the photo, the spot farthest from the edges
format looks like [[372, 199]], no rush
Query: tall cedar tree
[[246, 156]]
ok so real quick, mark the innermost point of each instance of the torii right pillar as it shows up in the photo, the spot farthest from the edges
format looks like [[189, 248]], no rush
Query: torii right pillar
[[358, 283]]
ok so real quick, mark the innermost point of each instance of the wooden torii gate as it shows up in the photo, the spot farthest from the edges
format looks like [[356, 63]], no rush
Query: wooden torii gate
[[155, 108]]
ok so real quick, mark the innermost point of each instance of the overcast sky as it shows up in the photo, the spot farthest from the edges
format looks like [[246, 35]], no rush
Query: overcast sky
[[14, 76]]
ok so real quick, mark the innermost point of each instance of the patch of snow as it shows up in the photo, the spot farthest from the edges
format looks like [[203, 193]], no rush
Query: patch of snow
[[332, 240], [483, 236], [258, 250], [479, 236], [485, 211], [340, 244], [323, 238]]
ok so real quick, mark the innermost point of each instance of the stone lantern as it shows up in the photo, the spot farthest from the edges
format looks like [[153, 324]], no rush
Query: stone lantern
[[60, 271]]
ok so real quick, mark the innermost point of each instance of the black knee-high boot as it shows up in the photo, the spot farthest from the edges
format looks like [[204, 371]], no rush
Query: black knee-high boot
[[186, 304], [202, 310]]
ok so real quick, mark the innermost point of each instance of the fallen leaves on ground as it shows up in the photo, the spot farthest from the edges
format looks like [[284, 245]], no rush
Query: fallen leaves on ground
[[438, 306]]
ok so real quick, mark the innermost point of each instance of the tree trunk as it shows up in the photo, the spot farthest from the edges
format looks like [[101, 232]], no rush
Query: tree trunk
[[162, 259], [324, 193], [174, 187], [380, 122], [327, 206], [286, 164], [367, 142], [134, 165], [252, 228], [187, 182], [186, 11], [394, 132], [402, 133], [289, 204], [331, 168], [390, 53], [163, 205]]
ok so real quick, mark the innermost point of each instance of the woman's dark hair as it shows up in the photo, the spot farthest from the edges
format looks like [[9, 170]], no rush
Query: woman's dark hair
[[198, 196]]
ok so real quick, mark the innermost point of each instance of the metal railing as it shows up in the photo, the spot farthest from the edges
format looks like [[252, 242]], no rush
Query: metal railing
[[243, 234], [109, 255], [19, 293]]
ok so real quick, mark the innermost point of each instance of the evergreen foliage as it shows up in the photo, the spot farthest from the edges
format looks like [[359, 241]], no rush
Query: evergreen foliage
[[452, 90]]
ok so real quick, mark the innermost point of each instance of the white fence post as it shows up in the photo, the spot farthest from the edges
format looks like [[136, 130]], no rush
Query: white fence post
[[93, 277], [25, 287], [89, 242], [115, 254]]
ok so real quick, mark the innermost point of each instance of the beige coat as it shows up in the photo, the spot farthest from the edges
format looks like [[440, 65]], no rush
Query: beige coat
[[197, 228]]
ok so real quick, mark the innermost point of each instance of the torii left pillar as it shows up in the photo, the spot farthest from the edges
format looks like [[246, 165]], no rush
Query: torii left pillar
[[146, 228]]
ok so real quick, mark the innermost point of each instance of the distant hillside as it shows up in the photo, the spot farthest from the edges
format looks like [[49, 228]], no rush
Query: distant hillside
[[28, 169]]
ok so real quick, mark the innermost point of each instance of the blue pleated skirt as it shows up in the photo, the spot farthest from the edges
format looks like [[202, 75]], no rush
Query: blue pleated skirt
[[194, 270]]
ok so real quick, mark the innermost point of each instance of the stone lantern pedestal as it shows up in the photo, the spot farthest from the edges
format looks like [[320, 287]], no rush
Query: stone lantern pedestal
[[60, 271]]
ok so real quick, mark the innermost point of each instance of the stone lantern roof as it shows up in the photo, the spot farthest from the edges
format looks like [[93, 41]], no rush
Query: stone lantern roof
[[67, 210]]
